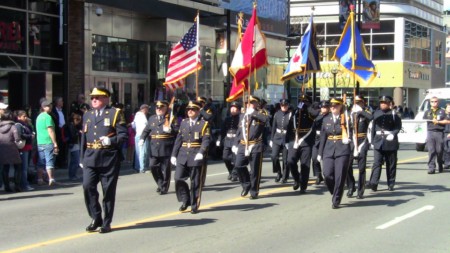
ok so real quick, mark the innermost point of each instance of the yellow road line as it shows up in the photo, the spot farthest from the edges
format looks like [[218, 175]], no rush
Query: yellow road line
[[159, 217]]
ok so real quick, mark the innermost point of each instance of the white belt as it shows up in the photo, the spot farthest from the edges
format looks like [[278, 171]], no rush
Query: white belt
[[317, 132], [231, 135], [383, 132], [281, 131]]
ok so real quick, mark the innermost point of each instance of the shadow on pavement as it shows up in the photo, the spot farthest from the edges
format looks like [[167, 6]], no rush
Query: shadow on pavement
[[381, 202], [242, 207], [169, 223], [34, 196]]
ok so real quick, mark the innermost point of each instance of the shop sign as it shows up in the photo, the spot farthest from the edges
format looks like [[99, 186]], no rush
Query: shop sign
[[10, 37]]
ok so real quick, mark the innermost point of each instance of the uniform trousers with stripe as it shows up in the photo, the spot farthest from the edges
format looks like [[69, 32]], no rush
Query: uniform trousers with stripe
[[249, 180], [160, 167], [276, 168], [335, 173], [190, 196], [390, 157], [361, 162], [302, 153], [107, 176]]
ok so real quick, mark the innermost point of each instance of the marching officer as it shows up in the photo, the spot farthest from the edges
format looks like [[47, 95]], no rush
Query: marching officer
[[162, 130], [188, 155], [317, 168], [206, 112], [301, 141], [360, 118], [435, 135], [386, 125], [248, 147], [278, 140], [104, 131], [227, 136], [335, 150]]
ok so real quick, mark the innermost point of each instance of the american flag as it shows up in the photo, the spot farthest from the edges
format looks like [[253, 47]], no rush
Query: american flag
[[184, 58]]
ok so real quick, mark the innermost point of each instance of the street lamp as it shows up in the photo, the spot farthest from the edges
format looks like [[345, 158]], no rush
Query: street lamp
[[334, 71]]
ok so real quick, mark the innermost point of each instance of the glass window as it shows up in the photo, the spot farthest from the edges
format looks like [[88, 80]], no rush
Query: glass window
[[334, 29], [384, 52], [118, 55], [383, 38], [332, 40], [11, 62], [386, 26], [14, 3], [46, 65], [407, 54], [46, 6], [43, 35], [12, 32]]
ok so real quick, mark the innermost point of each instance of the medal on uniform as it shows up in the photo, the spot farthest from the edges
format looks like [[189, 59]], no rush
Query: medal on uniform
[[106, 122], [196, 135]]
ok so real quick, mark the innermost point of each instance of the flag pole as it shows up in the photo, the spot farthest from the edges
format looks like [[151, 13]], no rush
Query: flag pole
[[238, 40], [197, 20], [355, 118]]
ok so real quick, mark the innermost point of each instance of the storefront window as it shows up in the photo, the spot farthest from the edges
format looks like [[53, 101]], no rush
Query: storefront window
[[118, 55], [12, 62], [43, 35], [45, 6], [14, 3], [46, 65], [417, 41], [12, 32]]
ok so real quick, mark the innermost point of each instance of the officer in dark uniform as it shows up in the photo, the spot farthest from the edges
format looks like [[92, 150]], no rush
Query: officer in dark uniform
[[104, 132], [360, 119], [227, 136], [188, 155], [206, 112], [335, 150], [446, 156], [435, 135], [248, 147], [317, 168], [386, 125], [301, 140], [279, 142], [79, 106], [162, 130]]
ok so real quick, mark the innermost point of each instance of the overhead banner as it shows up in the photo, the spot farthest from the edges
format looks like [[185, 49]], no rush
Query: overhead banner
[[272, 14], [371, 14]]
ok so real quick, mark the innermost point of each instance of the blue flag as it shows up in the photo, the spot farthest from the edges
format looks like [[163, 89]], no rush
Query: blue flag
[[352, 54], [306, 58]]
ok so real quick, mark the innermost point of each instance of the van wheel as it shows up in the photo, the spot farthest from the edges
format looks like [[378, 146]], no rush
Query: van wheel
[[420, 147]]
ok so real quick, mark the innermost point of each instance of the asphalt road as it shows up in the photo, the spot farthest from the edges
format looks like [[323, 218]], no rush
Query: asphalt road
[[413, 218]]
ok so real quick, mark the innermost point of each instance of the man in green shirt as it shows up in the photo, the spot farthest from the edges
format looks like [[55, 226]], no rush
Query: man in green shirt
[[46, 141]]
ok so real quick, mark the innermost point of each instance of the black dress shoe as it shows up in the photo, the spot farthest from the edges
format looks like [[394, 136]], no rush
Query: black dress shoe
[[391, 188], [158, 189], [278, 178], [162, 192], [194, 211], [234, 179], [105, 229], [254, 197], [334, 206], [296, 186], [229, 177], [319, 179], [284, 181], [95, 223], [302, 191], [359, 196], [183, 207], [350, 192], [245, 192], [431, 172], [373, 187]]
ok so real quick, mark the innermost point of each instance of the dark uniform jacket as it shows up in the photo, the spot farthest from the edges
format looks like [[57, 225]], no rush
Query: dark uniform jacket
[[161, 143], [385, 121], [228, 131], [302, 122], [190, 141], [431, 114], [280, 126], [331, 137], [363, 120], [317, 127], [251, 128], [112, 124]]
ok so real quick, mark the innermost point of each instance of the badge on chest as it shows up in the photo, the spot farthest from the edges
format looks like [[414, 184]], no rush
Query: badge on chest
[[106, 122]]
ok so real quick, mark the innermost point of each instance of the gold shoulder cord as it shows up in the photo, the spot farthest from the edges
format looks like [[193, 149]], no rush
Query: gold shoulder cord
[[205, 128]]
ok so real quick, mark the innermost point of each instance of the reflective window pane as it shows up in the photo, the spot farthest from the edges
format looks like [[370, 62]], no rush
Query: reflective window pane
[[12, 32], [44, 36], [47, 6], [46, 65], [11, 62], [14, 3]]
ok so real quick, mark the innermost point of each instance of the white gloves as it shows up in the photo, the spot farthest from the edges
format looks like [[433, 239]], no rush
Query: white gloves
[[173, 160], [249, 111], [300, 105], [198, 156], [319, 158], [81, 165], [167, 129], [390, 137], [141, 143], [371, 146], [346, 141], [356, 108], [234, 149], [106, 141], [295, 146], [286, 145], [270, 143], [218, 143]]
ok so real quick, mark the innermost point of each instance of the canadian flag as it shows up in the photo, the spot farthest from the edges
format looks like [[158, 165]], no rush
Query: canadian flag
[[251, 53]]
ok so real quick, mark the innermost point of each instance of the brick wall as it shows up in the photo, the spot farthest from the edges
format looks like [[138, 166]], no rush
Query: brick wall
[[76, 49]]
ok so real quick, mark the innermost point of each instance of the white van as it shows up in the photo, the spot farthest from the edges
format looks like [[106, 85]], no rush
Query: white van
[[443, 94]]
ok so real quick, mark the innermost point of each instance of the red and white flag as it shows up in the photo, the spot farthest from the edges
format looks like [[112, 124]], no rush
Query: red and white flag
[[184, 58], [251, 52]]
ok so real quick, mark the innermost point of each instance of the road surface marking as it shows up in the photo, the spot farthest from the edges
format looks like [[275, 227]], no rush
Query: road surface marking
[[404, 217], [162, 216]]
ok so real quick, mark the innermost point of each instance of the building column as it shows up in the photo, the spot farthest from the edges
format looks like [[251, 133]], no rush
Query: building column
[[398, 96]]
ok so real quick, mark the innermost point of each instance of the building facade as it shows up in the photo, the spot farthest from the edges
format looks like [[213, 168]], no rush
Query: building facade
[[407, 50]]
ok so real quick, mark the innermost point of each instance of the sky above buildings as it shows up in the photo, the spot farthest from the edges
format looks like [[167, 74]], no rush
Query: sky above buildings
[[446, 5]]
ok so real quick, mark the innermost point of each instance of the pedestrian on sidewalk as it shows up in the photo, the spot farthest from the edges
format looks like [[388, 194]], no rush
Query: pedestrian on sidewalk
[[74, 145], [27, 135]]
